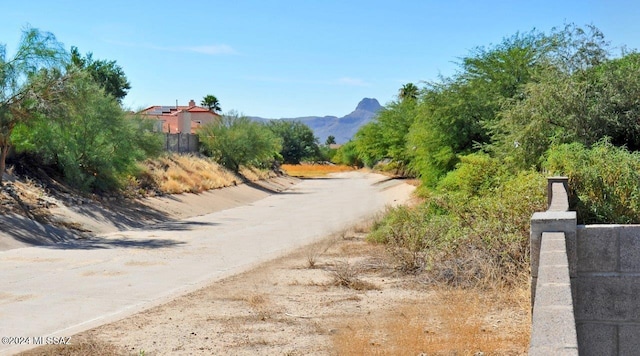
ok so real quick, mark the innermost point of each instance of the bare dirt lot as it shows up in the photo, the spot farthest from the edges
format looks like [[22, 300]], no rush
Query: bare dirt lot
[[341, 296]]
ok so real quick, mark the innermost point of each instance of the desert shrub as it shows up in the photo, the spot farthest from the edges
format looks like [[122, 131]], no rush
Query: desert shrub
[[411, 234], [495, 226], [91, 140], [235, 141], [603, 181], [467, 233], [347, 155], [476, 173]]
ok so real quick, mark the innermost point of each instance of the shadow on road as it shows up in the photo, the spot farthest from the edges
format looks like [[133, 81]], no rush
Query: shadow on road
[[96, 243], [34, 233], [178, 225]]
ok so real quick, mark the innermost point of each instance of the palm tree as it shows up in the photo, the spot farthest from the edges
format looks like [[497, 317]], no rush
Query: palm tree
[[212, 103], [408, 91]]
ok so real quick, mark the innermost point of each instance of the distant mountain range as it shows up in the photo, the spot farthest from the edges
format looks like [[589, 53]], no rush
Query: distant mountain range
[[342, 128]]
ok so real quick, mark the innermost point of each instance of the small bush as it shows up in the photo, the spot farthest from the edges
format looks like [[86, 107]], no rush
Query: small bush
[[235, 141], [411, 234], [604, 181], [347, 275], [468, 233], [475, 174]]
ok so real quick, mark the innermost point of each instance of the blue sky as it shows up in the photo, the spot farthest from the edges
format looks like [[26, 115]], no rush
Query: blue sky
[[277, 58]]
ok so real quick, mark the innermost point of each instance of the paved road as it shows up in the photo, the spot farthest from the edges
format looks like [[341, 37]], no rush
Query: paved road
[[47, 291]]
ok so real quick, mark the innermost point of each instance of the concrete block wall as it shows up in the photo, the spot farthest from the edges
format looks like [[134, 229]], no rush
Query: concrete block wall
[[181, 142], [553, 330], [607, 289], [597, 312], [553, 261]]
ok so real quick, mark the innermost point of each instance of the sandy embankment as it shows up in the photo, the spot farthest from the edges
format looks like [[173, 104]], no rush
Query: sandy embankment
[[90, 219]]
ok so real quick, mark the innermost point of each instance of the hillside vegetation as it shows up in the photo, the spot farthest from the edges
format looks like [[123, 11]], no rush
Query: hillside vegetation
[[483, 140]]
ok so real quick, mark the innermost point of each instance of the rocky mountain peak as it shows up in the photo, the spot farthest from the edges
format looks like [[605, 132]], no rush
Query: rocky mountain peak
[[369, 104]]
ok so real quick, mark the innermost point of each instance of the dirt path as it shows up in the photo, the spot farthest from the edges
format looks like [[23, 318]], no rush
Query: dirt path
[[340, 296], [63, 289]]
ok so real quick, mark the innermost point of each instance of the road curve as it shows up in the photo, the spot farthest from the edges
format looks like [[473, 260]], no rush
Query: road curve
[[49, 291]]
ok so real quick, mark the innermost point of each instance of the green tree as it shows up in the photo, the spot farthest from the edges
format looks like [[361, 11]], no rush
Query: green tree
[[347, 155], [236, 141], [212, 103], [583, 105], [367, 144], [457, 115], [21, 90], [385, 136], [107, 74], [408, 91], [603, 181], [574, 48], [298, 141], [91, 139], [331, 140]]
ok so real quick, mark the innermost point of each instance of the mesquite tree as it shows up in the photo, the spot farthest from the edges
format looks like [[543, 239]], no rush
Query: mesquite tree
[[27, 81]]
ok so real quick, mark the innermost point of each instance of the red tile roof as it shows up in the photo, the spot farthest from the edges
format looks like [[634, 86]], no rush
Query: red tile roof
[[170, 115]]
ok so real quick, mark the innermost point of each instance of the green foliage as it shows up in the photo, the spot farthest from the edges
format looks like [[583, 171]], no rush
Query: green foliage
[[476, 174], [347, 155], [584, 106], [603, 181], [36, 51], [456, 116], [471, 236], [574, 48], [408, 91], [298, 141], [478, 141], [385, 137], [331, 140], [91, 140], [235, 141], [367, 144], [327, 153], [107, 74], [212, 103]]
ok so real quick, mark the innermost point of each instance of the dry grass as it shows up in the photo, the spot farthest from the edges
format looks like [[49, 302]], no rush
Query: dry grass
[[348, 275], [193, 174], [24, 196], [314, 170], [448, 322], [315, 251], [254, 174], [88, 346], [175, 174], [260, 306]]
